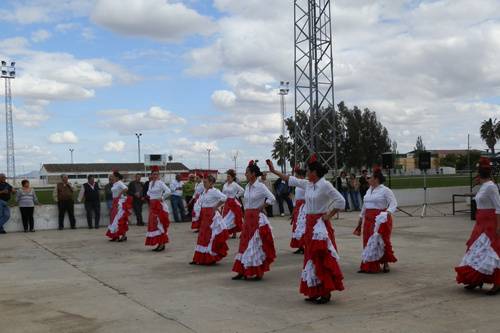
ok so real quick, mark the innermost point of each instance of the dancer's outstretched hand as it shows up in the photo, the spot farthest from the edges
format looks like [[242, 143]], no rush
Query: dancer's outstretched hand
[[270, 165]]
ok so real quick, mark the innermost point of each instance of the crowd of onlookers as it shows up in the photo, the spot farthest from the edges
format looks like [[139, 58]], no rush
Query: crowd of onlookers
[[353, 188]]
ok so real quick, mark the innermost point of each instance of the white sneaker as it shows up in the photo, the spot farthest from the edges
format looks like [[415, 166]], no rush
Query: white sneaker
[[282, 214]]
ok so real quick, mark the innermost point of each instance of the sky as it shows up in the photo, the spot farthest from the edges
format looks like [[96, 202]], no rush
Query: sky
[[194, 75]]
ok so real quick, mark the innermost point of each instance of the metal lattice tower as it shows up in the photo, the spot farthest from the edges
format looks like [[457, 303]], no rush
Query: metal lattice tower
[[314, 94], [8, 73]]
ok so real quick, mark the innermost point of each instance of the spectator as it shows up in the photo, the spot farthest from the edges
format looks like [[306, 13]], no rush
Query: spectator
[[176, 198], [343, 188], [136, 191], [108, 195], [283, 194], [354, 191], [63, 195], [267, 182], [5, 191], [26, 199], [89, 195], [188, 193], [363, 184]]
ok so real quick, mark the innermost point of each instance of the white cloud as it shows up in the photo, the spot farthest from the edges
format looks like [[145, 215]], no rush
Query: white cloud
[[31, 115], [114, 146], [163, 20], [40, 35], [42, 11], [126, 121], [63, 137]]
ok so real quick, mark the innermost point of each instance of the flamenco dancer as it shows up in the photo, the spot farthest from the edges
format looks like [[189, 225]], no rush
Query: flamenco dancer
[[158, 221], [232, 213], [481, 263], [379, 204], [256, 252], [299, 215], [120, 209], [195, 215], [321, 272], [211, 246]]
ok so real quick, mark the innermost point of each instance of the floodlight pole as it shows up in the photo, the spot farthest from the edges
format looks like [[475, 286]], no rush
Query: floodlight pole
[[71, 150], [8, 72], [138, 135], [209, 151], [284, 90]]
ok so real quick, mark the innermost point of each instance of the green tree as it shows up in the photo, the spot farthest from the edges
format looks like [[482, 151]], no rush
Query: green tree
[[281, 152], [490, 133], [419, 146], [449, 160]]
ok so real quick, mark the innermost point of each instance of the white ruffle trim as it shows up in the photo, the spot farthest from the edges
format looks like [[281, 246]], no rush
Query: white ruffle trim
[[481, 256], [229, 220], [113, 227], [321, 233], [217, 227], [197, 210], [254, 255], [375, 247], [309, 275], [300, 229]]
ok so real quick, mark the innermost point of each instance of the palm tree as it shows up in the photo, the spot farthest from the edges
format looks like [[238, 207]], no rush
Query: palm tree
[[490, 133], [282, 146]]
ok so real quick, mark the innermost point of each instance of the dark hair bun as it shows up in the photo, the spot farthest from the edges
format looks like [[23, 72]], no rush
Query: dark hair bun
[[318, 168], [118, 175], [254, 168]]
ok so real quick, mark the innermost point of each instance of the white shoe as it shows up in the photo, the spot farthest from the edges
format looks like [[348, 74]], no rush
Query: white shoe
[[282, 215]]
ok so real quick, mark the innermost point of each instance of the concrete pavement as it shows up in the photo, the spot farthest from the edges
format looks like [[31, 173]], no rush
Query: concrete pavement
[[77, 281]]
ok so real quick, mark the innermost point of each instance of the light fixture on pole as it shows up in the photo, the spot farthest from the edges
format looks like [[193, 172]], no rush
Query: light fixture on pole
[[209, 150], [8, 72], [138, 135], [284, 90], [71, 150], [235, 159]]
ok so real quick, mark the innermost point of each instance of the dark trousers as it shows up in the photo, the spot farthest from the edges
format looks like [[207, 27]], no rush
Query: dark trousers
[[177, 208], [137, 206], [269, 211], [27, 217], [66, 206], [288, 201], [93, 208], [188, 199]]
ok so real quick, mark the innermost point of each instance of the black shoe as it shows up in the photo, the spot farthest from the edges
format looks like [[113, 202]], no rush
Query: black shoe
[[299, 251], [193, 263], [323, 299], [141, 224], [473, 286], [73, 227], [493, 291], [238, 277], [123, 239], [3, 231], [32, 230], [90, 227], [60, 228], [25, 230], [97, 227], [113, 239]]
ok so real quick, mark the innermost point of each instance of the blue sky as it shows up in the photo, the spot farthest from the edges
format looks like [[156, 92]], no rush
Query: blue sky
[[198, 74]]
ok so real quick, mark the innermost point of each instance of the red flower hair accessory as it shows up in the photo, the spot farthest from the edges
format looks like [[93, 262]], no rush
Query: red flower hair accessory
[[155, 168], [313, 159]]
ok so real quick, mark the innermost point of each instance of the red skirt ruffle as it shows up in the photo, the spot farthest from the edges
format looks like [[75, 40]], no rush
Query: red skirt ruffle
[[385, 232], [296, 243], [122, 229], [486, 222], [250, 227], [207, 253], [232, 205], [157, 215], [327, 269]]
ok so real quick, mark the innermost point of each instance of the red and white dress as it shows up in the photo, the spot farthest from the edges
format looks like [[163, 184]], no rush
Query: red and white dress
[[256, 251], [195, 215], [120, 211], [481, 263], [211, 246], [158, 221], [232, 213], [321, 273], [298, 219], [377, 228]]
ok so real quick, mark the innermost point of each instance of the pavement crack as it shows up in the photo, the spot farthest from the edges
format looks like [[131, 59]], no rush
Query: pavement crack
[[109, 286]]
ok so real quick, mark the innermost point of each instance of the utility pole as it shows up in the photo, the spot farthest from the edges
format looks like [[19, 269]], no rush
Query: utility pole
[[138, 135], [284, 90], [71, 150]]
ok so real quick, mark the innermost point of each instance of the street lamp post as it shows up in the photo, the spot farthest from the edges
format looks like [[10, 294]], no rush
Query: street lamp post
[[235, 159], [8, 72], [138, 135], [71, 150], [284, 90], [209, 151]]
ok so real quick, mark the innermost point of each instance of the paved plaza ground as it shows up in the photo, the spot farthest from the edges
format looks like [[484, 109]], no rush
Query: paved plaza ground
[[77, 281]]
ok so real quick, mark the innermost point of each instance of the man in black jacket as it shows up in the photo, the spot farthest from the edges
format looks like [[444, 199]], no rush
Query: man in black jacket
[[90, 195], [136, 191]]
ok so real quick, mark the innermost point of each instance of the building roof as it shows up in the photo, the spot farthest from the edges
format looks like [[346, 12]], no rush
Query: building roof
[[107, 167], [446, 151]]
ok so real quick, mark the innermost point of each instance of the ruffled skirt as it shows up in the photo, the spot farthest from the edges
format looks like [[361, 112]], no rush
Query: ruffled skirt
[[481, 263], [158, 223], [321, 273], [298, 225], [211, 246], [256, 251], [233, 215], [119, 214], [377, 246]]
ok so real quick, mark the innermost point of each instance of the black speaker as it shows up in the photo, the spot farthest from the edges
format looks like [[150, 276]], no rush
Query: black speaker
[[387, 161], [424, 160]]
